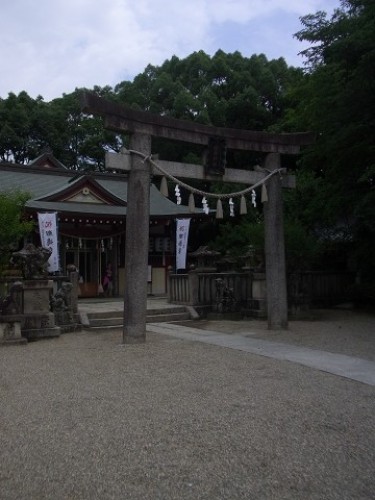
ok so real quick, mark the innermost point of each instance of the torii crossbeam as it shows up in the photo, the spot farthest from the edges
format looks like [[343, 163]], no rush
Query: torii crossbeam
[[142, 126]]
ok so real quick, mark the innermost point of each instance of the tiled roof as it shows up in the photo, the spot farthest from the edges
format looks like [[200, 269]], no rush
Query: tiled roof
[[40, 184], [36, 183]]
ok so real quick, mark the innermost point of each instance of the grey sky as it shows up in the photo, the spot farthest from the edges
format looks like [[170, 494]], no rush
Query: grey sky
[[50, 47]]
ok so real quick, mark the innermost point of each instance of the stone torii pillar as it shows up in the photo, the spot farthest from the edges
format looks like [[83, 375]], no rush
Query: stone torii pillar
[[274, 245], [142, 126], [136, 242]]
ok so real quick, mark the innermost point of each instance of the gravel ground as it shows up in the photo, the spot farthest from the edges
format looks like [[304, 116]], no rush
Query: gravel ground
[[85, 417]]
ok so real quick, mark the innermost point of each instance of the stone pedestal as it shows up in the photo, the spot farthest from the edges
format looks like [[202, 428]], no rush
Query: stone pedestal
[[37, 320], [36, 296], [257, 307], [10, 330]]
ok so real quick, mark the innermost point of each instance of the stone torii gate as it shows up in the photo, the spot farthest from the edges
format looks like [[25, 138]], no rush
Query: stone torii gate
[[142, 126]]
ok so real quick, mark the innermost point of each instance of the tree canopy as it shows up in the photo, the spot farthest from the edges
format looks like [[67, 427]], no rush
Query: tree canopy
[[336, 100]]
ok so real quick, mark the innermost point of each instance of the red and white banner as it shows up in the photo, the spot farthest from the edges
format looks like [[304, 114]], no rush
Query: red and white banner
[[48, 238], [182, 236]]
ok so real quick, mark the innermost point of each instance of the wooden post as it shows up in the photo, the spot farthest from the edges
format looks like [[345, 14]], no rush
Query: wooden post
[[136, 245], [277, 305]]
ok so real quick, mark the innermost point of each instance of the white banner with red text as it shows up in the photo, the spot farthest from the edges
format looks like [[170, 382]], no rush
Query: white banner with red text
[[48, 238]]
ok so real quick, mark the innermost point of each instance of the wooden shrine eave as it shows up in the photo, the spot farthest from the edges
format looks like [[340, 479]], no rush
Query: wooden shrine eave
[[120, 118]]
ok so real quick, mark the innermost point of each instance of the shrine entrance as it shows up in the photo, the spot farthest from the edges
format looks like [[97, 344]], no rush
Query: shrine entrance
[[140, 166], [90, 257]]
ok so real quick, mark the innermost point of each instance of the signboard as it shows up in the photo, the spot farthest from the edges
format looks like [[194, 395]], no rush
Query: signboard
[[48, 238]]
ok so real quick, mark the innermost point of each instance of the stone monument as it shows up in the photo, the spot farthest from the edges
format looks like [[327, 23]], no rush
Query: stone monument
[[37, 321]]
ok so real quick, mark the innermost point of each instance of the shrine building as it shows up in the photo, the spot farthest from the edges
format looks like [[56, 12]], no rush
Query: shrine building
[[91, 220]]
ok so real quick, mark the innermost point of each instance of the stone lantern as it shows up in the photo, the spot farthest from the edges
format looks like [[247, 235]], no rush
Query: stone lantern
[[205, 259]]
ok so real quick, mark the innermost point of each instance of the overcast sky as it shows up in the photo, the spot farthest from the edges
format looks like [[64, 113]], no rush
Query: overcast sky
[[51, 47]]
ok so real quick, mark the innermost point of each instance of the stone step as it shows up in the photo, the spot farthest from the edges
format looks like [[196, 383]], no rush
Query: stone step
[[117, 321], [167, 318], [150, 312]]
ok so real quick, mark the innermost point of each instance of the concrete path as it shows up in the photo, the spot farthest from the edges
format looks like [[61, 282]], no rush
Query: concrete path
[[337, 364]]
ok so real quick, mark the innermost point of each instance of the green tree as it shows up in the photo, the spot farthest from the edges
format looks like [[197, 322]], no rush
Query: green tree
[[30, 126], [21, 121], [79, 141], [236, 238], [12, 226], [211, 89], [336, 100]]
